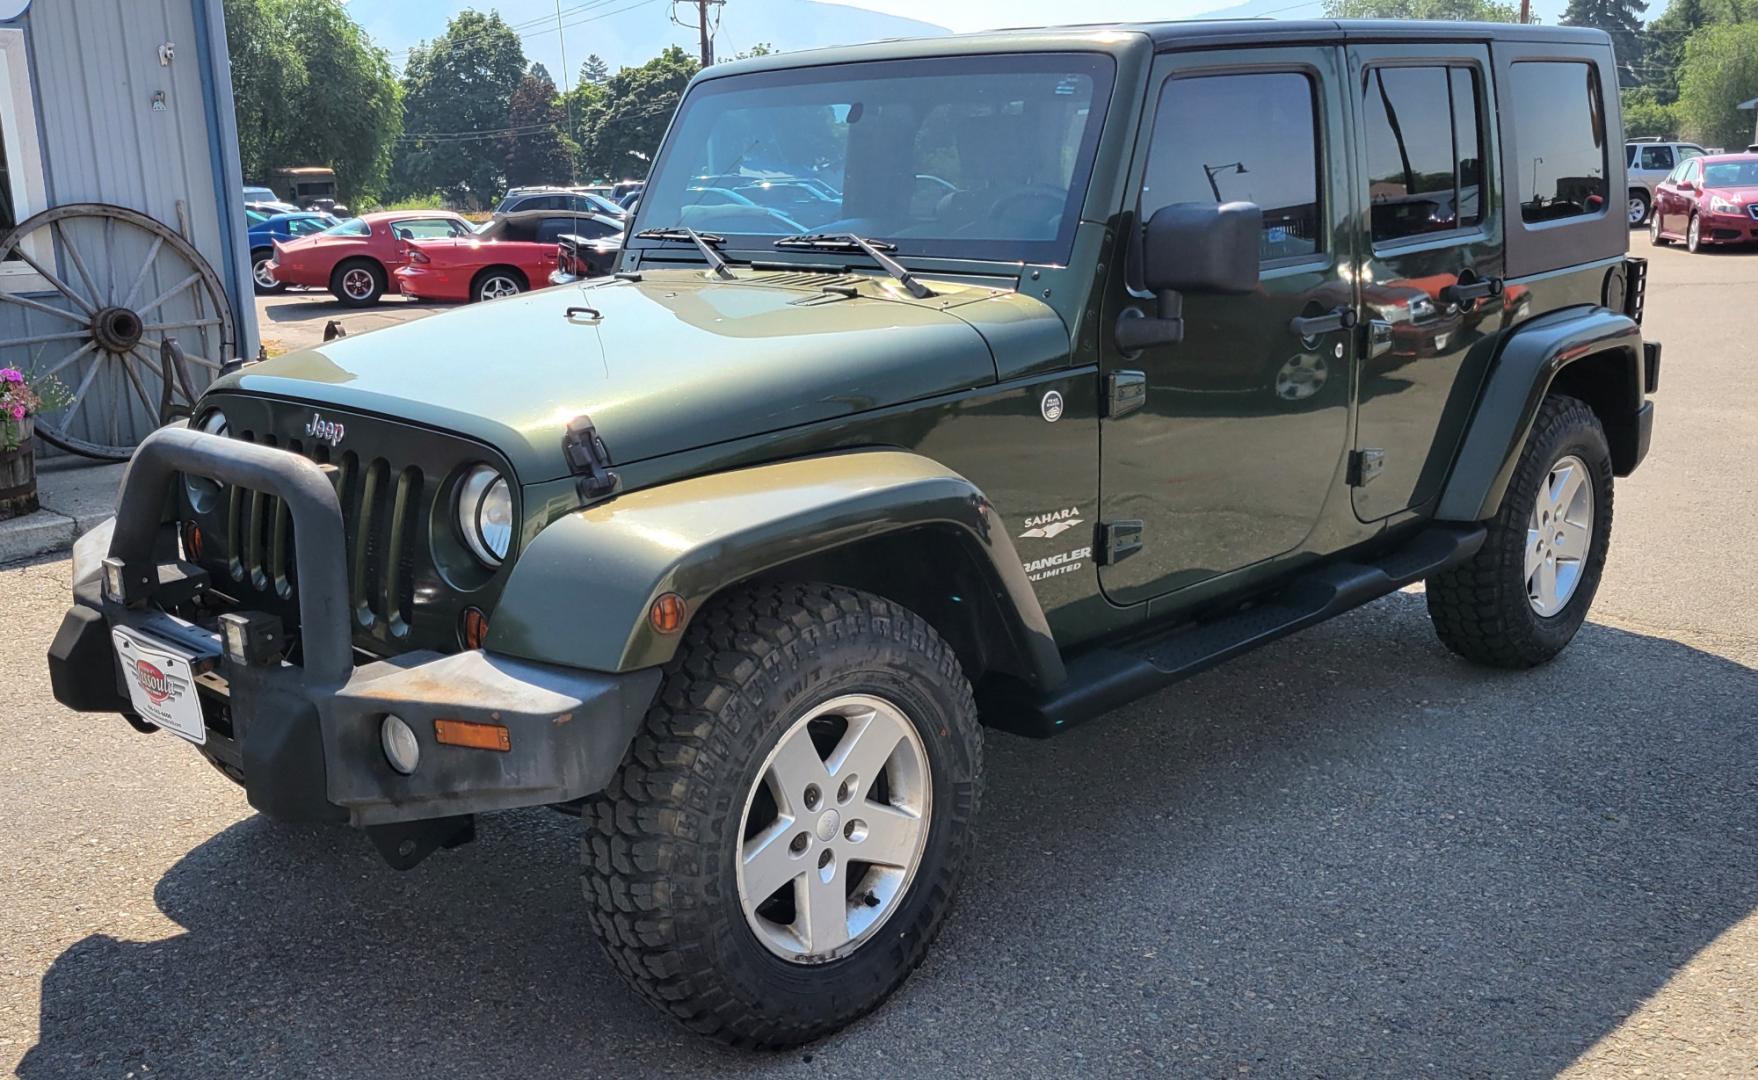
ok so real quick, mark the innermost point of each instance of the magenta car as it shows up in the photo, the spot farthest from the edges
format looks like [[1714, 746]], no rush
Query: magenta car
[[1707, 200]]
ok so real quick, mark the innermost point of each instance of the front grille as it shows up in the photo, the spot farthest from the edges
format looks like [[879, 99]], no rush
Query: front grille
[[388, 478]]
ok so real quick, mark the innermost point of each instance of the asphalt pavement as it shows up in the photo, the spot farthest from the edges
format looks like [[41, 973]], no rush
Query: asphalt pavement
[[1346, 855]]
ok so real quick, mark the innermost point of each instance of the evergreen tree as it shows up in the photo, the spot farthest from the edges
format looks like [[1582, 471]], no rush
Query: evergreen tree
[[594, 70], [1663, 46], [1622, 19]]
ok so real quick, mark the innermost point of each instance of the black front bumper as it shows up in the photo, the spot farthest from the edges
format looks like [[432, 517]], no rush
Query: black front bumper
[[305, 739]]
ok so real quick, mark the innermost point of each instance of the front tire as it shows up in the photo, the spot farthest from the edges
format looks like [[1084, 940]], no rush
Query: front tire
[[1694, 235], [786, 832], [1520, 600]]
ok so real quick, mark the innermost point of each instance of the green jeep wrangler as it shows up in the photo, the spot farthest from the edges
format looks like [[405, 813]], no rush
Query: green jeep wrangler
[[990, 380]]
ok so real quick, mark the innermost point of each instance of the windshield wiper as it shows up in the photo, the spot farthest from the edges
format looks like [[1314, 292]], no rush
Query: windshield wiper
[[705, 243], [874, 248]]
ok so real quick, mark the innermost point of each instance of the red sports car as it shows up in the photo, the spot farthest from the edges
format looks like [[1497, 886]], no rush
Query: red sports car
[[355, 259], [514, 253], [1707, 200]]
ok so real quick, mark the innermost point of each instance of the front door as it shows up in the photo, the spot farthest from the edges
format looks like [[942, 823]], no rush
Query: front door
[[1431, 279], [1229, 458]]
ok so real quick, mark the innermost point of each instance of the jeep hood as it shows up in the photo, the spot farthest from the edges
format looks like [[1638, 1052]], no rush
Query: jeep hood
[[672, 362]]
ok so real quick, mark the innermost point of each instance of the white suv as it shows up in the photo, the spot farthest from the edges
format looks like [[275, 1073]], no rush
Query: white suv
[[1647, 164]]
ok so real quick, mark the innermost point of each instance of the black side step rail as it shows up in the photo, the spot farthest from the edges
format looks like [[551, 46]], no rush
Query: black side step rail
[[1105, 678]]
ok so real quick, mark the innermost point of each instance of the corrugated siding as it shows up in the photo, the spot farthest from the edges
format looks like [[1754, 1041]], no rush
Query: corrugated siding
[[95, 69]]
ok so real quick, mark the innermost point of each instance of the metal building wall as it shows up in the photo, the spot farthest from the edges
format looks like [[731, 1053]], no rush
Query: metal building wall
[[95, 69]]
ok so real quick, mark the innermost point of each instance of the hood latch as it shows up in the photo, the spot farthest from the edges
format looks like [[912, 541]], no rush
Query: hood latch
[[588, 458]]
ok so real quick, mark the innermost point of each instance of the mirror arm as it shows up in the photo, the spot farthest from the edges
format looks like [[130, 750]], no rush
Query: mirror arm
[[1136, 331]]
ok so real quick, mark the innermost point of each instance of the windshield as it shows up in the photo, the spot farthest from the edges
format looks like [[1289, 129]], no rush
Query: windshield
[[351, 227], [1731, 174], [982, 157]]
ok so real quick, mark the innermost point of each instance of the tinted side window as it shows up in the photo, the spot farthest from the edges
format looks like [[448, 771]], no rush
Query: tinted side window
[[1691, 151], [549, 230], [1424, 157], [1253, 137], [1657, 157], [427, 228], [1559, 127]]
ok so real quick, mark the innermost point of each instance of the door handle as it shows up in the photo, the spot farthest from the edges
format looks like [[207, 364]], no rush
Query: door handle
[[1458, 293], [1311, 326]]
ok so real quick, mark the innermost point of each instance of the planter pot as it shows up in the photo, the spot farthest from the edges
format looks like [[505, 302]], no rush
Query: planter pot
[[18, 470]]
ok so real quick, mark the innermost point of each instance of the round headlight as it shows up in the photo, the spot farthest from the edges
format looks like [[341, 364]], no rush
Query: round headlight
[[485, 514], [201, 491]]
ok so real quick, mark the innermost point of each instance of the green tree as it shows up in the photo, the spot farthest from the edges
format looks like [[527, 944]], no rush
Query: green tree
[[310, 88], [1443, 10], [1645, 116], [1663, 46], [1720, 71], [1622, 19], [623, 130], [537, 147], [594, 70], [457, 91]]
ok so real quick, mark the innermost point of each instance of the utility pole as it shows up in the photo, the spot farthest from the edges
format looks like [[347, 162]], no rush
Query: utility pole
[[706, 29], [1525, 11]]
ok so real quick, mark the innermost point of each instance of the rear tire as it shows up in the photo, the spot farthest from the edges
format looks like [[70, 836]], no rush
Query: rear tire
[[358, 282], [1494, 609], [1641, 205], [673, 840], [497, 282], [1654, 236], [264, 282]]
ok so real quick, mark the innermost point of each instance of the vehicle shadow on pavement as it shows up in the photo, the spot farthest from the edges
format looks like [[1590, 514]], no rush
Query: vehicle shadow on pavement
[[1346, 855]]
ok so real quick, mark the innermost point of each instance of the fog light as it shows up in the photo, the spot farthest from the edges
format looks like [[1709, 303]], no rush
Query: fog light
[[252, 638], [401, 749]]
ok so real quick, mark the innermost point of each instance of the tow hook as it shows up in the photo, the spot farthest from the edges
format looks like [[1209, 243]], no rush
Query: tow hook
[[406, 843]]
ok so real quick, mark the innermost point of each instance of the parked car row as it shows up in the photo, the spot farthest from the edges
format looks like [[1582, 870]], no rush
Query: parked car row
[[435, 254]]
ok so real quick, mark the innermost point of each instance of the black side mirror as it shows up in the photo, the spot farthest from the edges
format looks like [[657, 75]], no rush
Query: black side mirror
[[1192, 248]]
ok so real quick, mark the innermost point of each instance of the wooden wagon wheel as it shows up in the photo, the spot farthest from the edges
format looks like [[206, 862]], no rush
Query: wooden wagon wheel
[[116, 285]]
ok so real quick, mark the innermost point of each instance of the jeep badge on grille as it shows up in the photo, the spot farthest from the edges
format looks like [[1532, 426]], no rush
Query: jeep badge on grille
[[329, 431]]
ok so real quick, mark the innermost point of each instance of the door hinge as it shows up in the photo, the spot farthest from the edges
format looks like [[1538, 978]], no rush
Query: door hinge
[[1118, 540], [1125, 392], [1364, 465]]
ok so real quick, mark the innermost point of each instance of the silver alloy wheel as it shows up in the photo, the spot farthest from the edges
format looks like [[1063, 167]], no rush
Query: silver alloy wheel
[[1638, 209], [1302, 376], [1694, 234], [358, 283], [498, 286], [832, 839], [1654, 228], [1559, 536], [263, 275]]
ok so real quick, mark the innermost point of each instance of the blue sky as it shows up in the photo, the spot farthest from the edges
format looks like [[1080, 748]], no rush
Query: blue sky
[[631, 31]]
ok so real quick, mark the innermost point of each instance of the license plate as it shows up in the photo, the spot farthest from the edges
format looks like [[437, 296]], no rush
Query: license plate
[[160, 684]]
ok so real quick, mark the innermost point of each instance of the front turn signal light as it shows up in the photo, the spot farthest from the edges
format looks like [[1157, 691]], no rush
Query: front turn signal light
[[667, 613], [473, 735]]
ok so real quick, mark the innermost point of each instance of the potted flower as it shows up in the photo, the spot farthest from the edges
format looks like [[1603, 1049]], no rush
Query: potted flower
[[20, 402]]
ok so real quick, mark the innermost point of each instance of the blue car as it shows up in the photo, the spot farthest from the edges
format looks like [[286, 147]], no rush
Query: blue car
[[266, 229]]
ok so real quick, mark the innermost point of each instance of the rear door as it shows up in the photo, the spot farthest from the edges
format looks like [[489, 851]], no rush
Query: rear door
[[1432, 263], [1236, 444]]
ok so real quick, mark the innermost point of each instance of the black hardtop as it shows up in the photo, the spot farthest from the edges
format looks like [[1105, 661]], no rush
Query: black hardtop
[[1174, 35]]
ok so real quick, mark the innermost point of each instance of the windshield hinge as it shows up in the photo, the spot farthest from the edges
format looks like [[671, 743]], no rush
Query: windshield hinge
[[588, 458]]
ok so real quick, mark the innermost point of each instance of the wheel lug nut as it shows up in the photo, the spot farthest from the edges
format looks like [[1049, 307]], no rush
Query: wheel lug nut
[[813, 796], [799, 843], [848, 789], [855, 831]]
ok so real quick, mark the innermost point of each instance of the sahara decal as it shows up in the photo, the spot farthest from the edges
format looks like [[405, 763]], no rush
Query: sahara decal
[[1054, 523], [1056, 565]]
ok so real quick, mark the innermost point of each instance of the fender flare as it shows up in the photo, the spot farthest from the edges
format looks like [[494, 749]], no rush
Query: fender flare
[[580, 593], [1519, 378]]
